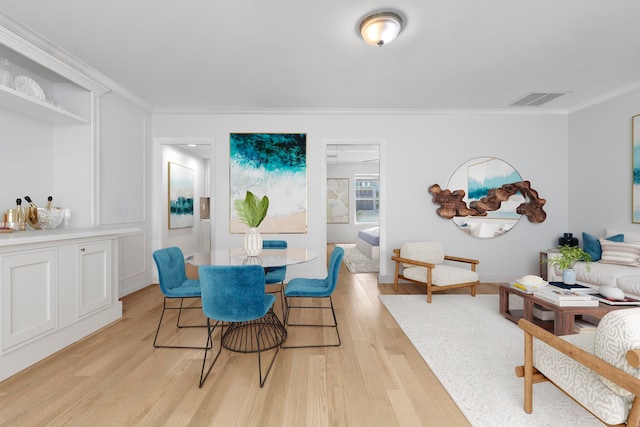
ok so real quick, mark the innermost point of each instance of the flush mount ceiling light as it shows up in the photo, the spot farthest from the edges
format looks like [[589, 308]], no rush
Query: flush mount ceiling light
[[380, 28]]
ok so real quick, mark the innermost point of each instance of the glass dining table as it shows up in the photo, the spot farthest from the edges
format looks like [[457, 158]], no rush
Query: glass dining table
[[266, 258], [242, 336]]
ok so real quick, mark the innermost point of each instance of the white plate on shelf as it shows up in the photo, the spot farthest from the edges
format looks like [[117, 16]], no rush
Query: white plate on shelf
[[28, 86]]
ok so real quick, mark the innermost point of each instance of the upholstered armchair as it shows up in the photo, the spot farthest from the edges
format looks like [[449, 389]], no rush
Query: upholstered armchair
[[600, 371], [426, 263]]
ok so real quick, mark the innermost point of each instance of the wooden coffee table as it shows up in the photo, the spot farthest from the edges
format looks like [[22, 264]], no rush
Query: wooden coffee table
[[564, 317]]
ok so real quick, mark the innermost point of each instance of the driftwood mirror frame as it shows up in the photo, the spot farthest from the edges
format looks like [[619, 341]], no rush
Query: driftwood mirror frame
[[488, 199]]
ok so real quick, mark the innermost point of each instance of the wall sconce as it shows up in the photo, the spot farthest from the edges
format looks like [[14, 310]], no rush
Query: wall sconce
[[380, 28]]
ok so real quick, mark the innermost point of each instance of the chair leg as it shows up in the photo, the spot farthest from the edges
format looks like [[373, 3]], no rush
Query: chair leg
[[335, 322], [281, 292], [178, 325], [282, 298], [164, 307], [203, 375], [258, 340]]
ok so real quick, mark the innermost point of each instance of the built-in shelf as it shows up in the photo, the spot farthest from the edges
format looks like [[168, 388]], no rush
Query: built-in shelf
[[16, 101]]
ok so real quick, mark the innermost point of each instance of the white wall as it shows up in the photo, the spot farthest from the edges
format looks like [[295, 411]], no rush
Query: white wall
[[26, 167], [600, 166], [419, 150], [347, 233], [123, 186]]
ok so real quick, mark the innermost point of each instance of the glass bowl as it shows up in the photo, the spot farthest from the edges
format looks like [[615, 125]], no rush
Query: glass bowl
[[49, 218]]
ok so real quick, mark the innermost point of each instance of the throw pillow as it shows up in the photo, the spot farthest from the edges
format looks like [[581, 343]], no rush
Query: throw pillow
[[620, 253], [591, 244]]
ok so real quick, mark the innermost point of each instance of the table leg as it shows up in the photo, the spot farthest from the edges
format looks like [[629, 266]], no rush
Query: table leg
[[504, 301], [527, 309], [563, 324]]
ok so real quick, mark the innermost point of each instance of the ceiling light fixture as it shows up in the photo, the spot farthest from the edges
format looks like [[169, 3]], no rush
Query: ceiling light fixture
[[380, 28]]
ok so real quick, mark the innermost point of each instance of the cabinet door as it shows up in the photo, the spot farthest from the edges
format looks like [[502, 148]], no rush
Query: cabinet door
[[94, 277], [29, 296]]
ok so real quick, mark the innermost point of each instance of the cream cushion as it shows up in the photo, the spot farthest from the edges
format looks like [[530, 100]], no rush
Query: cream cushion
[[618, 332], [580, 382], [431, 252], [441, 275]]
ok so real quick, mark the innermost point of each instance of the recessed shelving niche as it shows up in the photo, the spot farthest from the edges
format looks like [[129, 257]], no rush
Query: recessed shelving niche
[[15, 101]]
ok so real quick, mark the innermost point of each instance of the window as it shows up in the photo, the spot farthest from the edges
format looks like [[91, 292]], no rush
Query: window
[[367, 198]]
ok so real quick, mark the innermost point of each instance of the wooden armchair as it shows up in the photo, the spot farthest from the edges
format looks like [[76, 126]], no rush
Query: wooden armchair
[[423, 263], [598, 370]]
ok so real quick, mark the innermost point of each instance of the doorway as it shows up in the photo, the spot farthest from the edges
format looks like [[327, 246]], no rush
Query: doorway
[[354, 200], [194, 154]]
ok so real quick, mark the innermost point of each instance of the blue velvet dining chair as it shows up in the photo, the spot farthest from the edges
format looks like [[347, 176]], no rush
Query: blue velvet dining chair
[[315, 288], [275, 275], [174, 284], [235, 295]]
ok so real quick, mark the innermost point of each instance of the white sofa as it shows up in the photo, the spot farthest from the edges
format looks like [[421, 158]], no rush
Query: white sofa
[[598, 370], [604, 272]]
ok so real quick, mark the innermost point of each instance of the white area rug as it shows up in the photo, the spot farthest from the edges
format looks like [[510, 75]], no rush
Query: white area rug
[[473, 351], [356, 261]]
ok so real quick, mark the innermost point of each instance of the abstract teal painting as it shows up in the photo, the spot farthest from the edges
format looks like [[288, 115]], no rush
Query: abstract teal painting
[[180, 196], [275, 165], [635, 196]]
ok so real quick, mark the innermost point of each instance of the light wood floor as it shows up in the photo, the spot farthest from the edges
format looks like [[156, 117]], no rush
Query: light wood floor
[[116, 378]]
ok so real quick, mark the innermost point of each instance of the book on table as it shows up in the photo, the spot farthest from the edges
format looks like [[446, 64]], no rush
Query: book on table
[[582, 326], [613, 301], [564, 298], [521, 288], [529, 289], [575, 287], [563, 295]]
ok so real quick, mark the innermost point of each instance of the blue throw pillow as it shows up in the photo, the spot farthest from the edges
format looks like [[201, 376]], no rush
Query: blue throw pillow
[[591, 244]]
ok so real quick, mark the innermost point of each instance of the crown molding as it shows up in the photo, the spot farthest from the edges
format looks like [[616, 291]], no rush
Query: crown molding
[[607, 96], [360, 111], [38, 49], [29, 44]]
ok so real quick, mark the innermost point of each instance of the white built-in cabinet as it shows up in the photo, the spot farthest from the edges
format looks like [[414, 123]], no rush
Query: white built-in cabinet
[[58, 286], [29, 296], [55, 290], [94, 278]]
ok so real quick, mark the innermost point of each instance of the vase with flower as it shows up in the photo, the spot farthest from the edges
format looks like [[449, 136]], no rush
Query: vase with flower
[[567, 258], [251, 211]]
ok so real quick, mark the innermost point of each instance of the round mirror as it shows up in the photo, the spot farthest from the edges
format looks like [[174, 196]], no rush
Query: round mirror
[[481, 179]]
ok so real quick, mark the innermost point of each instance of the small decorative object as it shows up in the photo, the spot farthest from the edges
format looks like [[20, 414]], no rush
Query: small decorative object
[[66, 216], [49, 218], [568, 239], [6, 77], [251, 212], [569, 256]]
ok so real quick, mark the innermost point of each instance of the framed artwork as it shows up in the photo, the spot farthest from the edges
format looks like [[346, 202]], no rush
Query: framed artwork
[[275, 165], [180, 196], [635, 196], [338, 201]]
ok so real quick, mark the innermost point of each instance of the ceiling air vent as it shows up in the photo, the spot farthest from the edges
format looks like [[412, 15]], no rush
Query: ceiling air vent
[[536, 99]]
